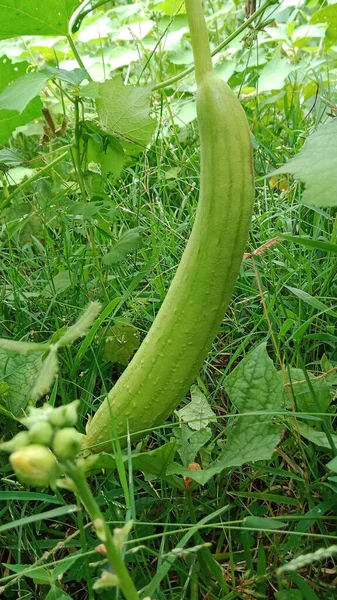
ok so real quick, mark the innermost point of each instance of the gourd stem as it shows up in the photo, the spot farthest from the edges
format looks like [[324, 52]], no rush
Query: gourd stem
[[199, 37]]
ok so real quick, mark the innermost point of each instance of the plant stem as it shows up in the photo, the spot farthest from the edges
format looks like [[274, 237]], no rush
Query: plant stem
[[76, 54], [199, 36], [103, 531], [226, 42], [37, 175]]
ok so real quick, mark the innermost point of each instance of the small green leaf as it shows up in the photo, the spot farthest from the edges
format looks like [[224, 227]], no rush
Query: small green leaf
[[10, 158], [316, 437], [121, 342], [74, 77], [310, 243], [129, 242], [56, 593], [263, 524], [198, 413], [190, 442], [59, 284], [289, 595]]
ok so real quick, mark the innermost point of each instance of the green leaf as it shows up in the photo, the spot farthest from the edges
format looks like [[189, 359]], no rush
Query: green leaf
[[30, 17], [309, 243], [289, 595], [59, 284], [303, 396], [154, 462], [43, 516], [170, 7], [327, 15], [124, 110], [19, 372], [263, 524], [197, 413], [73, 77], [10, 158], [311, 300], [273, 75], [10, 119], [40, 575], [316, 166], [18, 94], [56, 593], [190, 442], [249, 441], [121, 342], [129, 242], [316, 437], [255, 384], [109, 156]]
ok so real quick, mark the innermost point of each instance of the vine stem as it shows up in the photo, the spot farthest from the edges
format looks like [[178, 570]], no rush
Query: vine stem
[[103, 532], [221, 46], [199, 36]]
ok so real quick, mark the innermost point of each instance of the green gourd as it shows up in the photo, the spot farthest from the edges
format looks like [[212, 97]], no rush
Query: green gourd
[[171, 355]]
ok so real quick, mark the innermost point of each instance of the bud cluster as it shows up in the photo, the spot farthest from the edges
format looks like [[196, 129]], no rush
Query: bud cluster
[[51, 437]]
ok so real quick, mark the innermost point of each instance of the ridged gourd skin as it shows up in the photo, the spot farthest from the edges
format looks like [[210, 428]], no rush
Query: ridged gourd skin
[[170, 357]]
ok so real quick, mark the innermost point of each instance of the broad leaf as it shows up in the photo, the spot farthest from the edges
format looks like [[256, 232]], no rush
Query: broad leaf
[[303, 396], [316, 437], [124, 110], [10, 119], [316, 166], [255, 384], [30, 17], [59, 284], [273, 75], [327, 15], [19, 372], [18, 94]]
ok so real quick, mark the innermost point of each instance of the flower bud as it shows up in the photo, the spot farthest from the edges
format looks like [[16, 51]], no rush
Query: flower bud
[[35, 465], [20, 440], [67, 443], [65, 416], [41, 433]]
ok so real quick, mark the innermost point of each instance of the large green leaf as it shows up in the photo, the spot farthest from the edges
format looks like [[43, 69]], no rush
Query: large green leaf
[[255, 384], [33, 17], [327, 15], [10, 119], [124, 110], [316, 166]]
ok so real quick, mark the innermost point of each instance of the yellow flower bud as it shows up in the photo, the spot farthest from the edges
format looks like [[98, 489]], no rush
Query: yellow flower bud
[[35, 465]]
